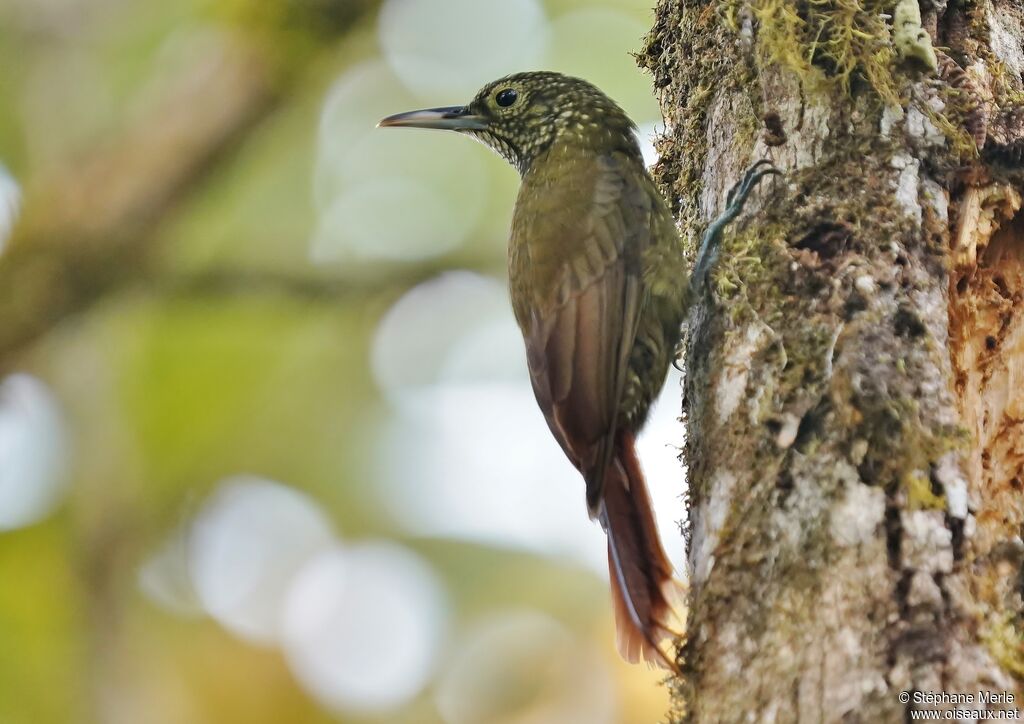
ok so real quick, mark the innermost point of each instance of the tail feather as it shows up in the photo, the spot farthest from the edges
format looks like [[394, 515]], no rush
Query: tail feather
[[644, 593]]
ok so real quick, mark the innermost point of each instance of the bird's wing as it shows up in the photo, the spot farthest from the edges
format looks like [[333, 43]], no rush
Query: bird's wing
[[580, 320]]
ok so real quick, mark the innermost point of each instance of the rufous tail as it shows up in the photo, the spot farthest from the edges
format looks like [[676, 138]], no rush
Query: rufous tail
[[648, 601]]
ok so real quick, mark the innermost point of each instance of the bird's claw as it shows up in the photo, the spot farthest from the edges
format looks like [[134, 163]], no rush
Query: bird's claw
[[735, 201], [750, 179], [677, 357]]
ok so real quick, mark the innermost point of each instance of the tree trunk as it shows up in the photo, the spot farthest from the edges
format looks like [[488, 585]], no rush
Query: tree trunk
[[855, 384]]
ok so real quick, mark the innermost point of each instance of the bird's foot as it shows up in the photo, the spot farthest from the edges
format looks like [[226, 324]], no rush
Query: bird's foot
[[678, 354], [734, 203], [745, 185]]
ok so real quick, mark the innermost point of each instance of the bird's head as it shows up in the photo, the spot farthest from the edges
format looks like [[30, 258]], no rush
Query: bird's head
[[520, 116]]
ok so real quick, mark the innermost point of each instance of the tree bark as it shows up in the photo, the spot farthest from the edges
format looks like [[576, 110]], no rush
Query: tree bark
[[855, 383]]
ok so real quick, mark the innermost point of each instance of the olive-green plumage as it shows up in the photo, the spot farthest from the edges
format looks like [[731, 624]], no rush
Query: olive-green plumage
[[600, 290], [598, 286]]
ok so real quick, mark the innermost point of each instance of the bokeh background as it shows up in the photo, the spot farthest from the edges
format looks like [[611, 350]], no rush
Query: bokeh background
[[268, 451]]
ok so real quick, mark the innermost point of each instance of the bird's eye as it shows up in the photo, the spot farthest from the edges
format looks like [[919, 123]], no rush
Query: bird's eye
[[506, 97]]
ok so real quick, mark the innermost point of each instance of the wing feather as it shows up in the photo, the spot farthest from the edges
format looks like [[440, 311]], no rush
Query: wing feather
[[582, 323]]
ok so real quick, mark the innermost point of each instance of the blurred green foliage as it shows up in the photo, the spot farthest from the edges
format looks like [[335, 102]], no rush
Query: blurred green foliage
[[219, 347]]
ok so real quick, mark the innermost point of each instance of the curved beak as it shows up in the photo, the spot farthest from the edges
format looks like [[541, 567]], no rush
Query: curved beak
[[452, 118]]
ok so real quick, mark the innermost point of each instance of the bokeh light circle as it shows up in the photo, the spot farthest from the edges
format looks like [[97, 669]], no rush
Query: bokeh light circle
[[164, 577], [363, 626], [442, 324], [359, 98], [397, 219], [245, 545], [33, 451], [525, 667], [10, 204], [387, 194], [446, 50]]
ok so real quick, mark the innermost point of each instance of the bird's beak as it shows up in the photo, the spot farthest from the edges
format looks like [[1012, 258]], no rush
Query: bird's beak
[[452, 118]]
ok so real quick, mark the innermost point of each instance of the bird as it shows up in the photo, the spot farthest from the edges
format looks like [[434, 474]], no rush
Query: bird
[[599, 289]]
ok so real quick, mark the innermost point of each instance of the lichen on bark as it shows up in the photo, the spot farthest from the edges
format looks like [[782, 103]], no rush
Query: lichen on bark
[[853, 448]]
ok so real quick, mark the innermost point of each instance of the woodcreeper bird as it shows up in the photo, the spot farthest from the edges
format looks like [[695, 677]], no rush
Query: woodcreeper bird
[[599, 289]]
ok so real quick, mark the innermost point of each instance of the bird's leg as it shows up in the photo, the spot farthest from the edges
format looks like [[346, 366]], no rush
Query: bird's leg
[[747, 176], [709, 243]]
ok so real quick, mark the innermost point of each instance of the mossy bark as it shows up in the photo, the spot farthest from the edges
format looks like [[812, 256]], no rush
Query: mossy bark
[[855, 384]]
